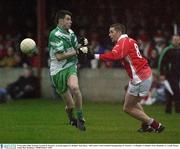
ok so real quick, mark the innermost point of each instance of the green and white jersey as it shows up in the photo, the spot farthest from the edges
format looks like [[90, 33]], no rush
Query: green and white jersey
[[61, 41]]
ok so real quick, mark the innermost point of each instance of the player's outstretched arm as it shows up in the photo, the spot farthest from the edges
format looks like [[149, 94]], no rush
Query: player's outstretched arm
[[109, 56]]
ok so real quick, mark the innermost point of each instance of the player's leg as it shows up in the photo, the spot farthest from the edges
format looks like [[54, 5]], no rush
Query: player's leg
[[139, 106], [176, 97], [144, 126], [69, 107], [131, 104], [144, 88], [74, 87], [60, 82], [143, 92], [169, 102], [177, 102], [132, 108], [148, 124]]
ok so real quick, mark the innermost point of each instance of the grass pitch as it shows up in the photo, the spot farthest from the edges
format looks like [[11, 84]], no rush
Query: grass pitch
[[44, 121]]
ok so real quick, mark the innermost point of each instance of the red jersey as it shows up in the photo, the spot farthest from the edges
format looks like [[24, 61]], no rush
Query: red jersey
[[126, 51]]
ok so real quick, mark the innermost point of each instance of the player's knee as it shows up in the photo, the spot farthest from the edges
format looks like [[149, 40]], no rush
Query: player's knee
[[69, 103], [75, 89], [126, 109]]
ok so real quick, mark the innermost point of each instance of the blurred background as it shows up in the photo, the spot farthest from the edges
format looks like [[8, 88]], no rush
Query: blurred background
[[151, 23]]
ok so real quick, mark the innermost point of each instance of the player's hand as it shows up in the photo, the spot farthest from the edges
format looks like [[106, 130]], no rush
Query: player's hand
[[84, 49], [83, 41]]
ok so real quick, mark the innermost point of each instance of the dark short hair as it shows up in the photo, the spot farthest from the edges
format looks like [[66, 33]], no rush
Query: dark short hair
[[61, 14], [119, 27]]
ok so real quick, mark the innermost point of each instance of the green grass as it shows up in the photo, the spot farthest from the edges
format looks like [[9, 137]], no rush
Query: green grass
[[44, 121]]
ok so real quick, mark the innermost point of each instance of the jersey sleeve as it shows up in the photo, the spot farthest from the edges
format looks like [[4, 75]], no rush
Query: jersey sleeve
[[118, 52], [56, 44], [74, 41]]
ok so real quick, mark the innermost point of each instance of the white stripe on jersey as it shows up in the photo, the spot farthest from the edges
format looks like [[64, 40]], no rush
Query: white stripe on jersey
[[135, 77], [56, 43], [62, 35]]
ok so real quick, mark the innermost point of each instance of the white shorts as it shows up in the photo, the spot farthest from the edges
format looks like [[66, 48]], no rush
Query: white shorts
[[141, 89]]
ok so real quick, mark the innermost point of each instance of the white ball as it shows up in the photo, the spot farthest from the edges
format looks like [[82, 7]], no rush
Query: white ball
[[28, 46]]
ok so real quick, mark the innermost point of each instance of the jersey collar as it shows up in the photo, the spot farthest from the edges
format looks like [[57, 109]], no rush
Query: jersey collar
[[122, 36]]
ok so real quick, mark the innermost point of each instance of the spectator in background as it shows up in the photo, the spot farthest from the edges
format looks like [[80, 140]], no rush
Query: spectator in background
[[157, 93], [4, 97], [19, 60], [95, 47], [9, 60], [153, 59], [2, 48], [8, 42], [2, 52], [160, 91], [145, 45], [136, 18], [159, 41], [26, 86], [169, 68]]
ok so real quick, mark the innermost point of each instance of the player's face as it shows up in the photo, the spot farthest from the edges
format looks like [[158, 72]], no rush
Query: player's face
[[114, 34], [67, 22], [176, 40]]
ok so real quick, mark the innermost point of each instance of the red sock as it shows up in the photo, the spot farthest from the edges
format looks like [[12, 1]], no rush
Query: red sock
[[154, 124]]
